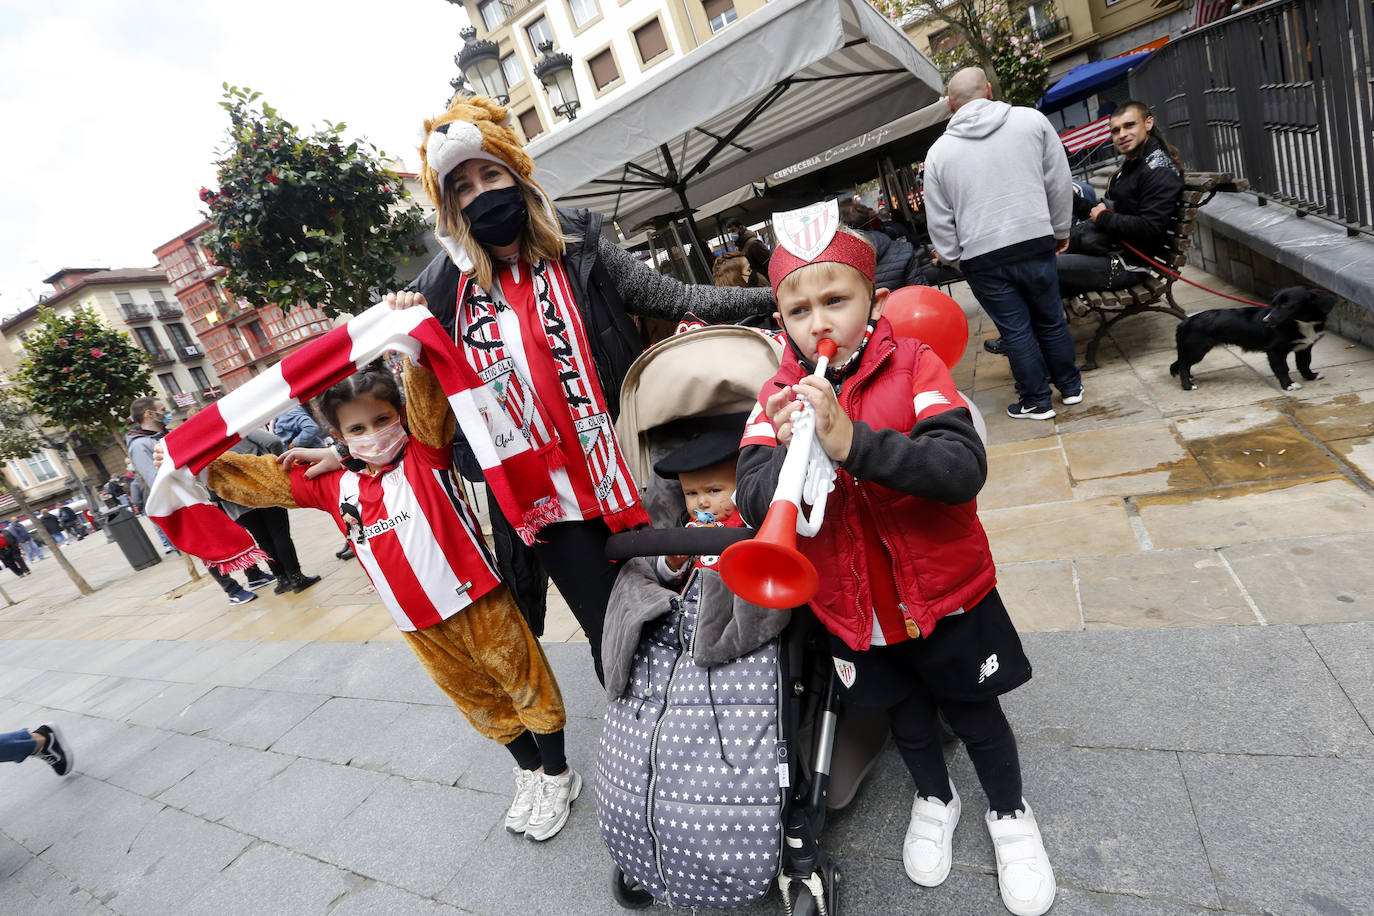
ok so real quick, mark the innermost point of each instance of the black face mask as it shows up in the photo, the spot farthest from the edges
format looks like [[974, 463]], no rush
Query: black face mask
[[497, 218]]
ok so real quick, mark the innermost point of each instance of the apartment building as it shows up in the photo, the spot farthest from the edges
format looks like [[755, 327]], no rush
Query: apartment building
[[139, 301], [1075, 31], [238, 340], [610, 45]]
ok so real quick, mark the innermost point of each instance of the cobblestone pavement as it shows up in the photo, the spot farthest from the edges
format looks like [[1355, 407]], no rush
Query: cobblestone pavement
[[1189, 568]]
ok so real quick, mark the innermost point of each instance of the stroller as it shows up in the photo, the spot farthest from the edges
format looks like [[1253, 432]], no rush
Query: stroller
[[714, 773]]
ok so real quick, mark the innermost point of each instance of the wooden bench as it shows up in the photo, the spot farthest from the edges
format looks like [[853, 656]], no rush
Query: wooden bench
[[1155, 291]]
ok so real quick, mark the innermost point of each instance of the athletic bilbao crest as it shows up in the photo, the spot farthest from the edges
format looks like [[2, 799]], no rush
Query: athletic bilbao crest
[[807, 231], [846, 671], [594, 432]]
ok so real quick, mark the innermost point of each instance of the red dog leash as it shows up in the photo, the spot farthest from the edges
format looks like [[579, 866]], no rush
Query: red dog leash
[[1176, 276]]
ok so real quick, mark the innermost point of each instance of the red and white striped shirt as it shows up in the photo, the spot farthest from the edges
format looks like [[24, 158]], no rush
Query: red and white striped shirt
[[412, 530]]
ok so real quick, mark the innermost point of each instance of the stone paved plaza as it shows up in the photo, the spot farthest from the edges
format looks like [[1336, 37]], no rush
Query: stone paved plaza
[[1189, 568]]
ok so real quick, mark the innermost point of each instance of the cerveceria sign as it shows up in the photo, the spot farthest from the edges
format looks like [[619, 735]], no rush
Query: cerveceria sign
[[860, 143]]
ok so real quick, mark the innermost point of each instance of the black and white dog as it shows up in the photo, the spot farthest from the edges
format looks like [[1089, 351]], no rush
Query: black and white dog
[[1292, 323]]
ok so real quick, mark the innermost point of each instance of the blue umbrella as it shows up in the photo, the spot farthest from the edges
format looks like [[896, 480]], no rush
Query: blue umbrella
[[1085, 79]]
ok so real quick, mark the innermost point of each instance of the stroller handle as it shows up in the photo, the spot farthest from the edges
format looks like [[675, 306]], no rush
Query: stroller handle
[[667, 542]]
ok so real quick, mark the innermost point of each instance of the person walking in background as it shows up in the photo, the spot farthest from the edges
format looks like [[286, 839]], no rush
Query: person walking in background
[[297, 429], [151, 417], [33, 550], [10, 554], [45, 742], [114, 489], [270, 526], [53, 526], [748, 242], [1004, 233], [66, 517]]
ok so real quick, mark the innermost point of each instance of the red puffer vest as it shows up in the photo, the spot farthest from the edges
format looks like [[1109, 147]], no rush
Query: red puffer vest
[[941, 560]]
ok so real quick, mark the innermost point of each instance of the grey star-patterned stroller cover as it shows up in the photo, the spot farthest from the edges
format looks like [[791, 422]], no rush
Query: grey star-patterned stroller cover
[[690, 786], [703, 794]]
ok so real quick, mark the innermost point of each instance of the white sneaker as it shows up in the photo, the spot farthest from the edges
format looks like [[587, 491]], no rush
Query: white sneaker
[[1072, 399], [927, 850], [553, 796], [1023, 869], [518, 814]]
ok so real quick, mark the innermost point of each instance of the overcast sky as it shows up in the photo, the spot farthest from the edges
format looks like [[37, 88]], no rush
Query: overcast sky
[[109, 115]]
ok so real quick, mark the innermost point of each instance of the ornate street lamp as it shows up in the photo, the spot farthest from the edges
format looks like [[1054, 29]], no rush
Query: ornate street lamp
[[555, 72], [480, 61]]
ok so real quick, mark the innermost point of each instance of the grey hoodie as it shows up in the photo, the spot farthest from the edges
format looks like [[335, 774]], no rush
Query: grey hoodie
[[998, 177]]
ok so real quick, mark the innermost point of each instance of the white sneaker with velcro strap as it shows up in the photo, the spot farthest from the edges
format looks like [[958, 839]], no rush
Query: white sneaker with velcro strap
[[927, 851], [1024, 875]]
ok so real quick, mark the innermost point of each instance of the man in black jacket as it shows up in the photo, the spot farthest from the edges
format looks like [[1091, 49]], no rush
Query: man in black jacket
[[1142, 194]]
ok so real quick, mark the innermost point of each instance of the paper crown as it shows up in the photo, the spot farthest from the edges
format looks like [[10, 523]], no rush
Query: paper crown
[[811, 236]]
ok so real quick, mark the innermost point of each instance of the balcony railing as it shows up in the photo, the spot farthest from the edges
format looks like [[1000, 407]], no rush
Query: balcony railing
[[1279, 95], [134, 313], [166, 309], [160, 357], [187, 354], [1052, 29]]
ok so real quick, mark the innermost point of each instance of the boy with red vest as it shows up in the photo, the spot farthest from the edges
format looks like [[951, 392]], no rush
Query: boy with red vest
[[907, 578]]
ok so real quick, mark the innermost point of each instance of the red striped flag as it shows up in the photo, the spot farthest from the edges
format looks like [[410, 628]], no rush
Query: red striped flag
[[1094, 133], [1210, 11]]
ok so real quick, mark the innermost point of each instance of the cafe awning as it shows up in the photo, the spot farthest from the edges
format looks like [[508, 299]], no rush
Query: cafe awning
[[787, 82]]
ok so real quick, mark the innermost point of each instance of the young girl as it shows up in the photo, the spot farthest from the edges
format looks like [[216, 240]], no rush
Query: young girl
[[400, 504]]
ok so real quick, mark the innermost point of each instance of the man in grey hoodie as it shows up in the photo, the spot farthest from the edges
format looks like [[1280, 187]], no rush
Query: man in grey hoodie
[[999, 201]]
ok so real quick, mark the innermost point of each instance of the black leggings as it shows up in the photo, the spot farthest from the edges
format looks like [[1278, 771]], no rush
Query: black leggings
[[574, 556], [532, 751], [985, 732], [271, 528]]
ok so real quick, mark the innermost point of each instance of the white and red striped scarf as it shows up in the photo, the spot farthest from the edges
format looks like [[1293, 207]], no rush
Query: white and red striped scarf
[[518, 478], [603, 478]]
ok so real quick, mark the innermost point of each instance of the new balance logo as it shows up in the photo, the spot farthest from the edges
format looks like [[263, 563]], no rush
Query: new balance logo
[[988, 668]]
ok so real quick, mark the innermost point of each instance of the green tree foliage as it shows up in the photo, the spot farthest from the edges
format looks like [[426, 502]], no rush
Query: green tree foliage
[[997, 35], [80, 374], [308, 218]]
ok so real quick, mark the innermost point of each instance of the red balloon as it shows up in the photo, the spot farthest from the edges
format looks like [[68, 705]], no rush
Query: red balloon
[[925, 313]]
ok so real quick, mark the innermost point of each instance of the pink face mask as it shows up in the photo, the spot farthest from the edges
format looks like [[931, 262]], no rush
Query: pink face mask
[[380, 447]]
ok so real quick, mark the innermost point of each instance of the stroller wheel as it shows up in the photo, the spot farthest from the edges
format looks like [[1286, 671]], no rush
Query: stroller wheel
[[818, 895], [628, 892]]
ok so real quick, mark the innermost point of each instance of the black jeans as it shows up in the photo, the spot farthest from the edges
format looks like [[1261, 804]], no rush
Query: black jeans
[[574, 556], [986, 734], [1080, 273], [271, 528]]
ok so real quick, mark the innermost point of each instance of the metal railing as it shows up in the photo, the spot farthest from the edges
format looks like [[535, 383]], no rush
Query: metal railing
[[136, 312], [1278, 95]]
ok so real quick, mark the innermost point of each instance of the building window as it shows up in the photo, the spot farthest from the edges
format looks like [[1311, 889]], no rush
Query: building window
[[604, 71], [493, 13], [530, 124], [169, 383], [199, 378], [181, 341], [650, 40], [124, 299], [148, 340], [511, 68], [583, 11], [157, 297], [40, 467], [720, 13], [538, 32]]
